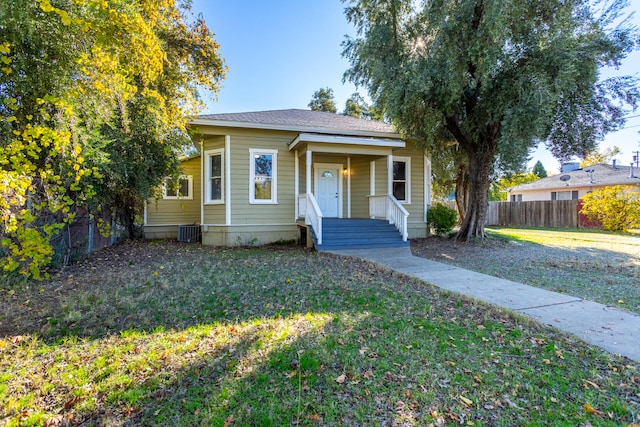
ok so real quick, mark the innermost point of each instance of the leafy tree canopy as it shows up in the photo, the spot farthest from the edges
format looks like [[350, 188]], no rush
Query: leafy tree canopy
[[539, 170], [94, 97], [323, 100], [598, 157], [498, 76], [498, 189], [356, 106]]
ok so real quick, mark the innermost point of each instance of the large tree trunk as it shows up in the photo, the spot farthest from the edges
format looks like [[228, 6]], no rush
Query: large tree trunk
[[460, 193], [481, 156]]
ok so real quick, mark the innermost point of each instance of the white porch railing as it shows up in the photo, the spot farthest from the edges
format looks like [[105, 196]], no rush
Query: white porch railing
[[309, 210], [389, 207]]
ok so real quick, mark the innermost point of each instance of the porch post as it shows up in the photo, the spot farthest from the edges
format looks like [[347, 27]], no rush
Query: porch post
[[372, 178], [308, 187], [348, 187], [390, 174], [296, 184]]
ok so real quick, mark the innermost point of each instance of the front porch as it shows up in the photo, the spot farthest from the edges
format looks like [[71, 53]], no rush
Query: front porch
[[350, 188]]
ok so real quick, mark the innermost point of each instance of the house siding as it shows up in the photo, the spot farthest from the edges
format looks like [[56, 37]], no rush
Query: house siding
[[163, 216], [533, 195], [238, 221], [360, 173], [416, 221], [251, 223]]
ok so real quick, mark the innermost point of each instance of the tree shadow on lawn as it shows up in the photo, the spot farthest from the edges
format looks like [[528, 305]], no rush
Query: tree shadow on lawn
[[186, 335], [598, 274]]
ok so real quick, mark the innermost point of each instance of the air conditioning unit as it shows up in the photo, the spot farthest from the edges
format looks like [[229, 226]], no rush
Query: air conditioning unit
[[189, 233]]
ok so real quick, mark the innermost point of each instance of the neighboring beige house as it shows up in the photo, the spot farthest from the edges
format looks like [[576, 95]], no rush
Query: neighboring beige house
[[284, 175], [574, 184]]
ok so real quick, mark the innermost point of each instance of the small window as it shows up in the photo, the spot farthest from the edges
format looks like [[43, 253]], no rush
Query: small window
[[263, 176], [181, 188], [516, 197], [564, 195], [214, 177], [401, 185]]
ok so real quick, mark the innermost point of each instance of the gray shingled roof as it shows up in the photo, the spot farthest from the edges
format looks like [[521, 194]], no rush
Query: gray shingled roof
[[604, 175], [302, 120]]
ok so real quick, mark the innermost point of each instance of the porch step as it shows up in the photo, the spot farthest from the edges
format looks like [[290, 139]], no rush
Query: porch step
[[340, 234]]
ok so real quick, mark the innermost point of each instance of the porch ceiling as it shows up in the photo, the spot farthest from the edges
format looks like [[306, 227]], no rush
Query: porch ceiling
[[332, 142]]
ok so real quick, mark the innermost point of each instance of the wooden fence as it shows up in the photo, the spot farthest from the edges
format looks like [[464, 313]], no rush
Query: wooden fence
[[539, 213]]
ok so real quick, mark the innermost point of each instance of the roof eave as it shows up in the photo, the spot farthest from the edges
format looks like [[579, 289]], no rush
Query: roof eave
[[291, 128], [352, 140]]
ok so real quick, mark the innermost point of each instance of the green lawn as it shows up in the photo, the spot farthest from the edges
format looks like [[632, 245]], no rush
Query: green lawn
[[585, 263], [171, 334]]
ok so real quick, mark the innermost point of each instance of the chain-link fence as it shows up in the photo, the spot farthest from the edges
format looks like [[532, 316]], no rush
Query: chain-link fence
[[87, 233]]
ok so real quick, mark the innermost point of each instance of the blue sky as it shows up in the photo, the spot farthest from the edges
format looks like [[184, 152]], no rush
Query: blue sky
[[280, 52]]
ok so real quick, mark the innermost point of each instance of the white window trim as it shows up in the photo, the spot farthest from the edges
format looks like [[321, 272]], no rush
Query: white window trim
[[564, 193], [407, 161], [189, 179], [207, 168], [274, 176]]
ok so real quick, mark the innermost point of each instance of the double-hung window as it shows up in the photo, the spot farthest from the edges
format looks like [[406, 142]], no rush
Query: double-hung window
[[401, 184], [263, 176], [214, 176], [180, 188]]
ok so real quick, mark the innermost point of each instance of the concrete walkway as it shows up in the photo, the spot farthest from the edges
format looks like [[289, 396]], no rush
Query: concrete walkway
[[614, 330]]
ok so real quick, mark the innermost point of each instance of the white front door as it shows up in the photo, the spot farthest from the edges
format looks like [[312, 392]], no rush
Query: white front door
[[328, 189]]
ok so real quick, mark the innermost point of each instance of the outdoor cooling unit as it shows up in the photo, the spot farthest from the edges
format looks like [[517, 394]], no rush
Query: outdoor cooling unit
[[188, 233]]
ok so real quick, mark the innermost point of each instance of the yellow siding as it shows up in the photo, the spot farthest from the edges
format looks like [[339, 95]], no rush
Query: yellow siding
[[244, 212], [214, 213], [381, 181], [181, 211], [360, 178]]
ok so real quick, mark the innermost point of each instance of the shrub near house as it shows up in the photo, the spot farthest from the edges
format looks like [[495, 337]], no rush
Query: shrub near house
[[617, 207]]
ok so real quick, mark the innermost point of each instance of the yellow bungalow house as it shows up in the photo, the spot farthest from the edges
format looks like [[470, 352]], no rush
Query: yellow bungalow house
[[332, 180]]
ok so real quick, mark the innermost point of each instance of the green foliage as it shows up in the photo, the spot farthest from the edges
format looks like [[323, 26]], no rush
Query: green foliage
[[539, 170], [442, 219], [595, 157], [94, 97], [497, 77], [323, 100], [498, 190], [617, 207], [356, 107]]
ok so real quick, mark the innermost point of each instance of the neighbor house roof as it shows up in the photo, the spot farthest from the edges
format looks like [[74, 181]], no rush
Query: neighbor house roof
[[300, 121], [602, 175]]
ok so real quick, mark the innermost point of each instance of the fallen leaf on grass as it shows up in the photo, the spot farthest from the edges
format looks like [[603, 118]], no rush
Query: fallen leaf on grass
[[590, 409], [466, 401], [341, 379], [314, 418], [592, 384], [229, 421], [510, 403]]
